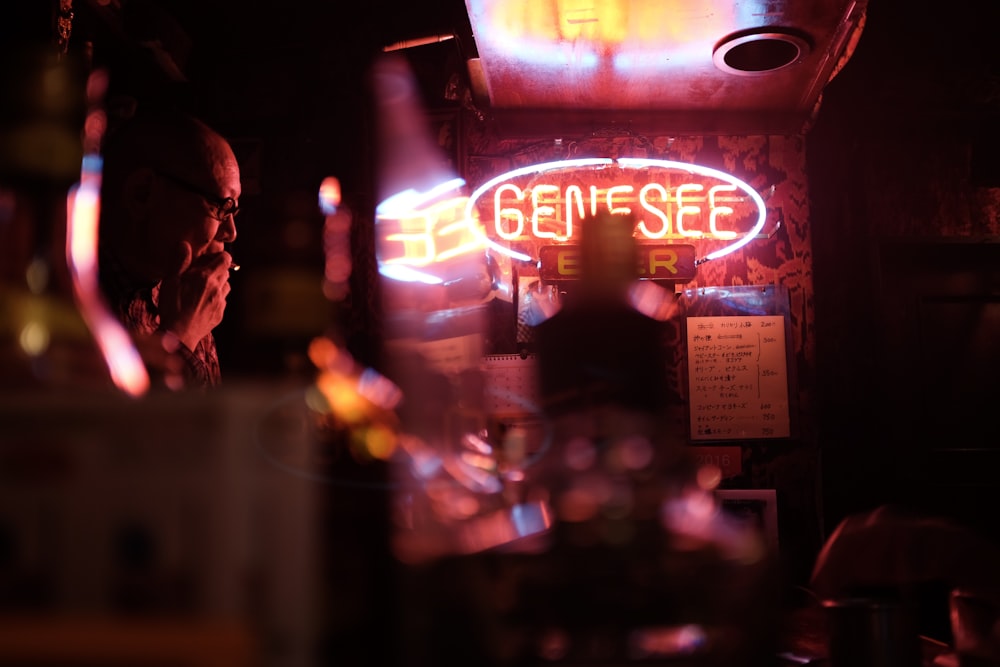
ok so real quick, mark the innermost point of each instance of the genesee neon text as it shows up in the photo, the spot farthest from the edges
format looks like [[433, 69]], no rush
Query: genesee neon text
[[552, 213]]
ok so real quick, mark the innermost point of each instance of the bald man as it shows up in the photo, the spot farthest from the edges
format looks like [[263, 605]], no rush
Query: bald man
[[169, 201]]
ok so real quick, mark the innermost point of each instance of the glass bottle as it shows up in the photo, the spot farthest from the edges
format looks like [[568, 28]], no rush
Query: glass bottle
[[59, 403], [593, 541], [55, 332], [629, 558]]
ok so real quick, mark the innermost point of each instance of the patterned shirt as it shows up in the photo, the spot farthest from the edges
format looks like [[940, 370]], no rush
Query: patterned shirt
[[135, 304]]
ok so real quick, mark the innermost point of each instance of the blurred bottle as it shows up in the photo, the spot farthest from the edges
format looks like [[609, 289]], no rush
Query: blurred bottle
[[592, 541], [435, 280], [54, 332], [632, 559]]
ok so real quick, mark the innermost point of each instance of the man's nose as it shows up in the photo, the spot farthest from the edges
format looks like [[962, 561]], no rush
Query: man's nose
[[227, 229]]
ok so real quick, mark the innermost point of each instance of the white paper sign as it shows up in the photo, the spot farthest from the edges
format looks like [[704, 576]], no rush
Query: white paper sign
[[737, 377]]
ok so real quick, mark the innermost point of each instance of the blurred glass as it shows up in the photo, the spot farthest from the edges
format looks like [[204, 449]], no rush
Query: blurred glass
[[54, 329]]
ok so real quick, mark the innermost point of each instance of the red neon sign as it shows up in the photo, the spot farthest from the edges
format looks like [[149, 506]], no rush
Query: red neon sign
[[671, 201]]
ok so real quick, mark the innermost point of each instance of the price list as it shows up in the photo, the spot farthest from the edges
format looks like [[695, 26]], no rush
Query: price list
[[737, 377]]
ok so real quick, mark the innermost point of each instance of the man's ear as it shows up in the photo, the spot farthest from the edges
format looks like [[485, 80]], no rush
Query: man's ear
[[137, 193]]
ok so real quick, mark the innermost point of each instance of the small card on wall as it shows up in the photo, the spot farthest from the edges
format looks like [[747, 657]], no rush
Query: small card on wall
[[737, 377]]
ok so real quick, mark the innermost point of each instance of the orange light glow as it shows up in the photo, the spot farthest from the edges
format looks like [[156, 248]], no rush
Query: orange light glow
[[84, 210], [597, 21], [329, 195], [429, 235], [344, 401], [325, 354], [559, 31], [34, 338], [340, 373], [380, 441], [128, 372]]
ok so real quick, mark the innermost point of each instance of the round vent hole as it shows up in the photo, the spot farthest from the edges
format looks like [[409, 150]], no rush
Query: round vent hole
[[759, 53]]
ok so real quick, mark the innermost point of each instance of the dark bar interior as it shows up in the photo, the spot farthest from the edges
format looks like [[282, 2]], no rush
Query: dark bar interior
[[547, 332]]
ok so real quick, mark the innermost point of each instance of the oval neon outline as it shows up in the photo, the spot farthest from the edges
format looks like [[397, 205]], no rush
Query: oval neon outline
[[627, 163], [521, 171]]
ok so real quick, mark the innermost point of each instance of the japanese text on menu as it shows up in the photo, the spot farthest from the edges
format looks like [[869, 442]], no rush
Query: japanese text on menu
[[737, 377]]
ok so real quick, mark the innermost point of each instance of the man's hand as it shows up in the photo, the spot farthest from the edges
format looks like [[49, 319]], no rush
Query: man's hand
[[192, 300]]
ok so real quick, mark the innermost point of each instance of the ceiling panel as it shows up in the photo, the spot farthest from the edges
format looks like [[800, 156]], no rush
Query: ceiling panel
[[696, 65]]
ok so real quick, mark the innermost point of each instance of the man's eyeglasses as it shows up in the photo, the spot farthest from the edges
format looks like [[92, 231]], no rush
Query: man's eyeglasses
[[222, 207]]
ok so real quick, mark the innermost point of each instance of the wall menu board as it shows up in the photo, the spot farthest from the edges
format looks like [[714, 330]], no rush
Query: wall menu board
[[737, 377]]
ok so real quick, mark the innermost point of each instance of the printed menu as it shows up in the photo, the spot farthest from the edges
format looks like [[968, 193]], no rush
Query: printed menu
[[737, 377]]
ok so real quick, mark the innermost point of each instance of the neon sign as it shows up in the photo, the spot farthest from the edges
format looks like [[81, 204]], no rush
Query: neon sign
[[522, 212], [658, 261], [671, 201], [420, 232]]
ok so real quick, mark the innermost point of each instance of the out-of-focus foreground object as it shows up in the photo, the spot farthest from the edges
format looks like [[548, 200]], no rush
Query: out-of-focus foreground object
[[891, 548], [55, 331], [975, 626], [914, 575]]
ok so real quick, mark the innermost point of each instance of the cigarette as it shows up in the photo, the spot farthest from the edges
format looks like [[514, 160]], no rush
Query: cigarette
[[234, 267]]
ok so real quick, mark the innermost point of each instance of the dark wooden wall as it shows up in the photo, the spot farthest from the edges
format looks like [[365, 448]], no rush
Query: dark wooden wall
[[904, 189]]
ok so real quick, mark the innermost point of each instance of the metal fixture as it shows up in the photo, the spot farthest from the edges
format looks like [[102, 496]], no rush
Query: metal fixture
[[759, 52]]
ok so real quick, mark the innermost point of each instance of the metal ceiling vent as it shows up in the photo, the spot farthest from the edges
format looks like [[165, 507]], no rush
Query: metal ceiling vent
[[760, 51]]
